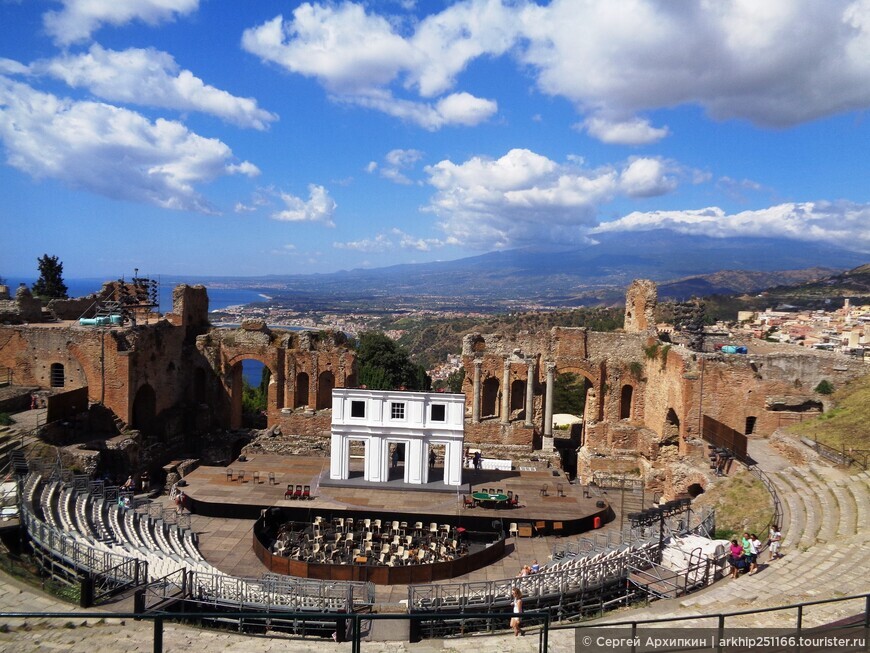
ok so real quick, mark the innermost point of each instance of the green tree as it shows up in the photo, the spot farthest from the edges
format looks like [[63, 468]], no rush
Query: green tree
[[384, 365], [50, 284], [455, 380], [569, 394], [825, 387]]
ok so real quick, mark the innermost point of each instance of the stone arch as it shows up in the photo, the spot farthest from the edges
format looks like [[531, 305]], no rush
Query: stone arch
[[325, 386], [489, 400], [695, 490], [671, 430], [234, 384], [301, 391], [590, 401], [625, 398], [144, 413], [518, 395]]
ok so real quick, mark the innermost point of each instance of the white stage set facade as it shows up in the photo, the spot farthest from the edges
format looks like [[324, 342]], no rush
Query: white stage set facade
[[383, 420]]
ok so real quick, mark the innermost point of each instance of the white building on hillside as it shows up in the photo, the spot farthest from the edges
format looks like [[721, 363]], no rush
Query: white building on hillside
[[395, 426]]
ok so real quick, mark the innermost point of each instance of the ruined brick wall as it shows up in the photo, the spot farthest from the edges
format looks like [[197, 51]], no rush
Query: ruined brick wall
[[23, 308], [305, 366], [640, 306], [190, 308]]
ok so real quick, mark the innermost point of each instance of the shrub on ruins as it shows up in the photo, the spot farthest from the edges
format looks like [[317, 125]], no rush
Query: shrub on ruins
[[384, 365], [825, 387], [50, 284]]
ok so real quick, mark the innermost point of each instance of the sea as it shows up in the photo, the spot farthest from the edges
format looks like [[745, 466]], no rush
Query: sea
[[217, 298]]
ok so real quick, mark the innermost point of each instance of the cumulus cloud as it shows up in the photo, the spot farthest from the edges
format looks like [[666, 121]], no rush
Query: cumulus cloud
[[319, 207], [384, 242], [633, 131], [109, 150], [151, 78], [838, 223], [361, 57], [244, 168], [395, 162], [525, 197], [380, 243], [773, 63], [646, 177], [78, 19]]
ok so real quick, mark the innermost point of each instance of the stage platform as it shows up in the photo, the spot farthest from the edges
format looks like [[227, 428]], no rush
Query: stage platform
[[210, 492]]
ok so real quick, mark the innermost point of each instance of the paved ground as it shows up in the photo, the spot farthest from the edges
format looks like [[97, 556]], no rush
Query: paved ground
[[827, 554]]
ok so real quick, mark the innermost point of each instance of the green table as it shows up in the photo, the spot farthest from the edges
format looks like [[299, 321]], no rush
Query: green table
[[486, 497]]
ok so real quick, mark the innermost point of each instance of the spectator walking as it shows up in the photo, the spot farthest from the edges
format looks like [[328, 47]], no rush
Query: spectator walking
[[775, 539], [518, 610]]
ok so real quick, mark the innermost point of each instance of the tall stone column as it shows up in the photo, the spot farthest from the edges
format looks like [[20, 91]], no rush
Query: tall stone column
[[475, 397], [548, 408], [530, 391], [506, 392]]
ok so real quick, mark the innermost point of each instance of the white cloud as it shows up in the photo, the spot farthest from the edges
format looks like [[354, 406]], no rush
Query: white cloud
[[397, 161], [633, 131], [244, 168], [80, 18], [646, 177], [149, 77], [109, 150], [319, 207], [525, 197], [371, 166], [379, 243], [358, 56], [838, 223], [241, 207], [776, 63], [407, 241]]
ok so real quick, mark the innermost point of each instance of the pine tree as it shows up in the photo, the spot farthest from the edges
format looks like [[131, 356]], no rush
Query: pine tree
[[50, 284]]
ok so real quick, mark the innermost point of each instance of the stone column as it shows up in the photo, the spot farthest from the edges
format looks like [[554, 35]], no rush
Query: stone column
[[530, 391], [506, 392], [548, 408], [475, 397]]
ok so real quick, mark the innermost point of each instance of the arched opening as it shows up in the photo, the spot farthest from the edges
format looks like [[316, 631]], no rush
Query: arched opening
[[325, 386], [518, 396], [671, 431], [57, 376], [625, 402], [489, 401], [145, 410], [569, 394], [199, 386], [300, 396], [250, 393], [750, 425], [695, 490]]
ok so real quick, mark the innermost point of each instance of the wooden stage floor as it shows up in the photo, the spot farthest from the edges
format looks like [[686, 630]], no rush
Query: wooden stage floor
[[210, 485]]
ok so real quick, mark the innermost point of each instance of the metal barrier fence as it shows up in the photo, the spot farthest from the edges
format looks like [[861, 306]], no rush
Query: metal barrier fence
[[540, 620], [847, 457]]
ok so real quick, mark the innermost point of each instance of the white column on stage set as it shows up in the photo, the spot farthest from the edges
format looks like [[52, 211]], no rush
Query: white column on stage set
[[548, 413], [453, 463], [375, 460], [415, 461], [339, 457]]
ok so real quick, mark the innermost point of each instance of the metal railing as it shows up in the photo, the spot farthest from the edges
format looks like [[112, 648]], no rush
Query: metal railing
[[843, 456], [356, 624], [776, 517]]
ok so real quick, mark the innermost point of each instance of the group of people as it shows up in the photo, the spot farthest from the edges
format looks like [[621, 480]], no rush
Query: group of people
[[528, 570], [744, 553]]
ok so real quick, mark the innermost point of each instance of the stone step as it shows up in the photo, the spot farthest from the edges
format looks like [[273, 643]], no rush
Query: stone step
[[848, 509], [820, 493], [793, 529]]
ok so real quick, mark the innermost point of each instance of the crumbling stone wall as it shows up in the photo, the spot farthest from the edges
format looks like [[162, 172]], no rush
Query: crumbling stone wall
[[640, 306], [24, 308]]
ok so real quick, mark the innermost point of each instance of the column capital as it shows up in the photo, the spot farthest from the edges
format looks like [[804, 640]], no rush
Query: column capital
[[551, 367], [507, 362], [478, 363]]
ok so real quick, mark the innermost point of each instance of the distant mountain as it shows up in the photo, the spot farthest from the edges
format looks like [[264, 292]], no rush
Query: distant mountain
[[684, 265], [569, 273]]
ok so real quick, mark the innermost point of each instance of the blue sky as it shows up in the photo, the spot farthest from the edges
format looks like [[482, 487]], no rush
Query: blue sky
[[209, 137]]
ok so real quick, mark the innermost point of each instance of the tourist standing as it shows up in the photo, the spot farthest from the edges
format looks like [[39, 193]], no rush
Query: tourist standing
[[754, 548], [736, 551], [431, 459], [518, 610], [775, 539], [395, 457]]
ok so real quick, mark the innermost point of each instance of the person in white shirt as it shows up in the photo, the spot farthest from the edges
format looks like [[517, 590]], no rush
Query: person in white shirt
[[775, 539]]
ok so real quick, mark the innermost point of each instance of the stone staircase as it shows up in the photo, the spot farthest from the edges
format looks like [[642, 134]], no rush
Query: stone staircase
[[826, 554]]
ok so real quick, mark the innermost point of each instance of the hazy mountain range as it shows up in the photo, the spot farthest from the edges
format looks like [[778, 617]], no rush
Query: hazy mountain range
[[684, 265]]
